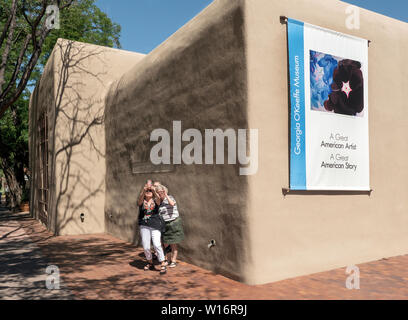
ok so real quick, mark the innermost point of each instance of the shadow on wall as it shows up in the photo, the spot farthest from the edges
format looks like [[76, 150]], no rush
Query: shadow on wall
[[198, 77], [74, 124]]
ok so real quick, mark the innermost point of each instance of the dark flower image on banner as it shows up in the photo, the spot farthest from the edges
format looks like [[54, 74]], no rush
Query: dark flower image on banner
[[336, 84]]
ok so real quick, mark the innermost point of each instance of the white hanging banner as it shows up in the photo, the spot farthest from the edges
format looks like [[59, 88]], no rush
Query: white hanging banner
[[329, 147]]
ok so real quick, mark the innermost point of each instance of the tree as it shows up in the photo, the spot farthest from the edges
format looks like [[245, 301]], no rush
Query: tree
[[84, 22], [14, 147], [24, 28], [25, 46]]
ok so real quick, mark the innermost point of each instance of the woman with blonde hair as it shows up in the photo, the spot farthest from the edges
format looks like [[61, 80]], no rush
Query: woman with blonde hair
[[173, 233], [151, 225]]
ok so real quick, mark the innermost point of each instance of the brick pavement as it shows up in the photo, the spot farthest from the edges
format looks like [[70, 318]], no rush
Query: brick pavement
[[22, 265], [103, 267]]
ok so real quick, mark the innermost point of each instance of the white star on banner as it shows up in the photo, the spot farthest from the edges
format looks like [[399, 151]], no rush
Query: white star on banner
[[346, 88]]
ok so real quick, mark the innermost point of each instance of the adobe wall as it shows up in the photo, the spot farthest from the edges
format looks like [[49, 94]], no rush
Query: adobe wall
[[303, 233], [197, 76], [76, 80], [41, 101]]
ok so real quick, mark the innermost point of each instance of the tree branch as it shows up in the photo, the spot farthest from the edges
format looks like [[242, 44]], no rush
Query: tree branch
[[17, 67], [37, 38], [4, 102], [9, 41], [7, 25]]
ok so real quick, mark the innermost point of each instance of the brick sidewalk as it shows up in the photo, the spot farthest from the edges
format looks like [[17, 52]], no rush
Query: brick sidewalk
[[22, 265], [103, 267]]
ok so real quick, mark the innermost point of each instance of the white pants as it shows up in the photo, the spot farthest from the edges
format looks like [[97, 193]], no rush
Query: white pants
[[147, 235]]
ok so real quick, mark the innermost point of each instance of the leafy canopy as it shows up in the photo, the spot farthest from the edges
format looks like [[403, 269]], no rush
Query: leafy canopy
[[81, 21]]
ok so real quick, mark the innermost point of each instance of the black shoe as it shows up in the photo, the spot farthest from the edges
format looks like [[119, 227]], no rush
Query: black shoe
[[163, 270]]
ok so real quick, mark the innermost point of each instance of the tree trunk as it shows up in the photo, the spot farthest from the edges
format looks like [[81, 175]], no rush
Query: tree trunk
[[15, 190]]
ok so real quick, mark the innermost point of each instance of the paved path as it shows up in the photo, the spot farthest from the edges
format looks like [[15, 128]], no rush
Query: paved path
[[103, 267], [22, 266]]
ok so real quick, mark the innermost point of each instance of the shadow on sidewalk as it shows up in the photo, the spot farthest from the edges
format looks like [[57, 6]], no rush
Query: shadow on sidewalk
[[6, 215], [22, 264], [100, 266], [140, 263]]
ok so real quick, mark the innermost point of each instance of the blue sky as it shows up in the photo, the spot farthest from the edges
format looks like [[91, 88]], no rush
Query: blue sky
[[147, 23]]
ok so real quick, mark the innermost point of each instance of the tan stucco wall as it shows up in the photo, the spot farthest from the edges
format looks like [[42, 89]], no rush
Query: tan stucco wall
[[41, 101], [79, 75], [311, 232], [197, 76]]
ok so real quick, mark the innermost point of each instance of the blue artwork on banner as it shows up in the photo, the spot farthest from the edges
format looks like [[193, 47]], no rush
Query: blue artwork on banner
[[321, 78]]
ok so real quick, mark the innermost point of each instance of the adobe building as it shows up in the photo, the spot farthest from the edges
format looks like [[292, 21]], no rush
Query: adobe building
[[67, 136], [92, 113]]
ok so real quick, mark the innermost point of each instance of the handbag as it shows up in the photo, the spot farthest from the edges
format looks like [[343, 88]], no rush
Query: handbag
[[162, 224]]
